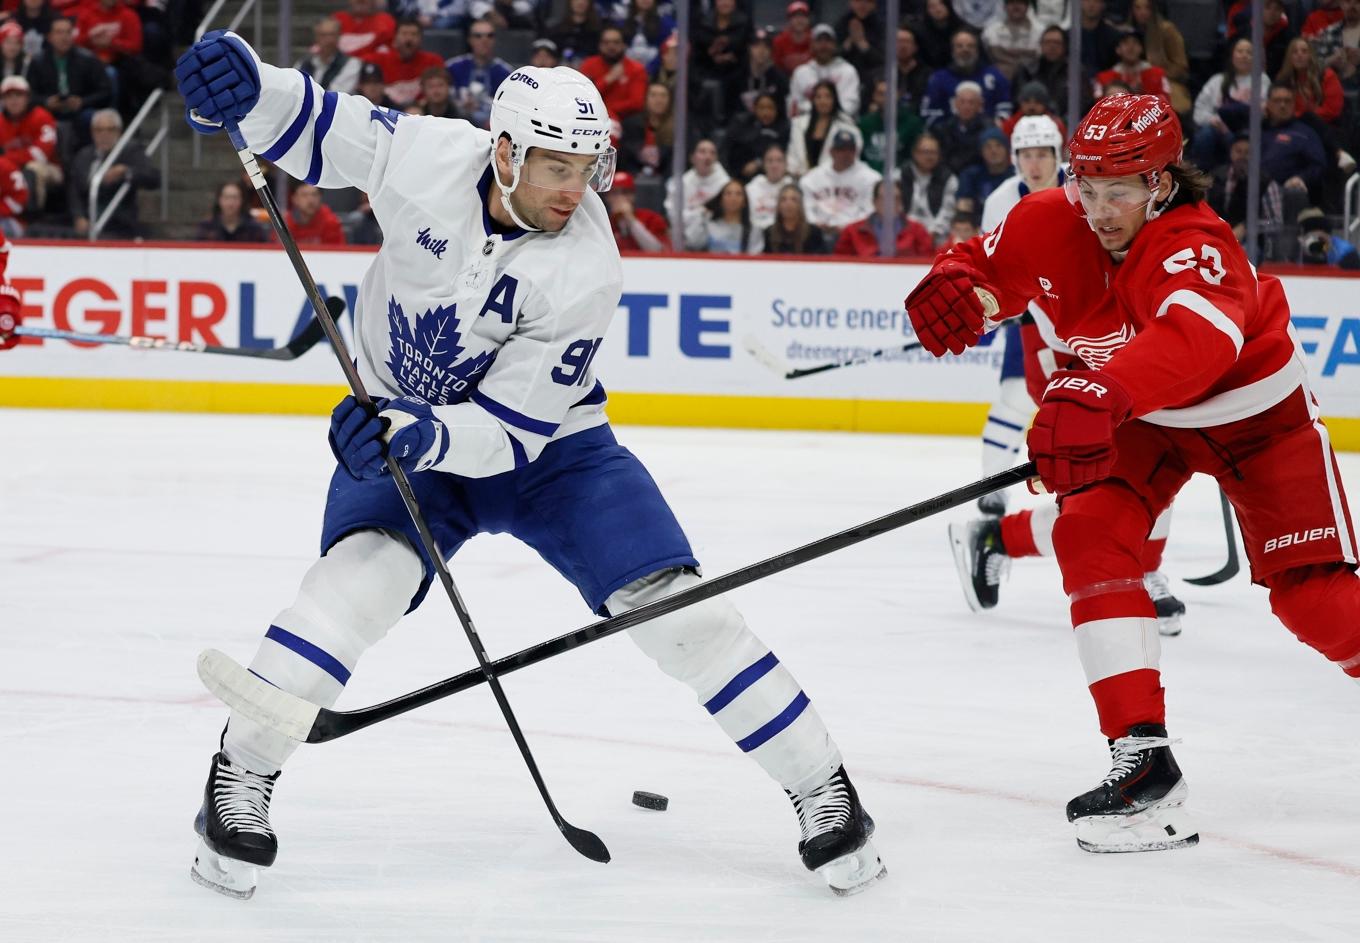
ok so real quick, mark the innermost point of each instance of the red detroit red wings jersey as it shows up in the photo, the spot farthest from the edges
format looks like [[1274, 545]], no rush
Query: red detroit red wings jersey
[[1184, 323]]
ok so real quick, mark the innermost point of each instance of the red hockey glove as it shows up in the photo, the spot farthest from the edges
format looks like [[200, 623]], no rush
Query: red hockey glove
[[1072, 439], [10, 315], [945, 309]]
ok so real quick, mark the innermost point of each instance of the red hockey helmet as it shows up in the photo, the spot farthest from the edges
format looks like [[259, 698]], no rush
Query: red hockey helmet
[[1126, 134], [1122, 136]]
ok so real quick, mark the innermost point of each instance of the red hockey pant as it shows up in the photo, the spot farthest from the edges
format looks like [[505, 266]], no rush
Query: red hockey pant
[[1278, 470]]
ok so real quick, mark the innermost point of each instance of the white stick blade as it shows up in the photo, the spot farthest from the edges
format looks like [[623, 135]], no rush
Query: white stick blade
[[762, 355], [255, 698]]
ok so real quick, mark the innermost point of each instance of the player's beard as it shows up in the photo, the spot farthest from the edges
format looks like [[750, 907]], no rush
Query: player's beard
[[541, 215]]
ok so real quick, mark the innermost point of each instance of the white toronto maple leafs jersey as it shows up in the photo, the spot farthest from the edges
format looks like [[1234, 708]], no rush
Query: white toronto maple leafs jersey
[[496, 331]]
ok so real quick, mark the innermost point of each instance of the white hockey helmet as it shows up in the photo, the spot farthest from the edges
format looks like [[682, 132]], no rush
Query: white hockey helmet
[[1036, 131], [556, 109]]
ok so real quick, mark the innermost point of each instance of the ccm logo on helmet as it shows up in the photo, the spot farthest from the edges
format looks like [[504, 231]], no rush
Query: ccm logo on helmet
[[526, 79], [1299, 537], [1077, 383], [587, 132]]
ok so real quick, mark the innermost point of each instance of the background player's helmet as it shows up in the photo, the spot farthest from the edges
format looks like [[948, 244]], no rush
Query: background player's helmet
[[556, 109], [1035, 131], [1121, 136]]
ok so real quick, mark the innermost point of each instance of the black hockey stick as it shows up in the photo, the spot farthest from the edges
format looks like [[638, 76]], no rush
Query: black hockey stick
[[587, 843], [305, 340], [301, 720], [762, 355], [1232, 566]]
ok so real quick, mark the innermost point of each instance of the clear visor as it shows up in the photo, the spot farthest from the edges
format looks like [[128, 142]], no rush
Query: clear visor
[[550, 170], [1108, 198]]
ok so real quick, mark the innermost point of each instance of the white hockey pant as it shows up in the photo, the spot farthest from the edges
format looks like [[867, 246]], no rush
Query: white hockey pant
[[1004, 433], [738, 680], [347, 602]]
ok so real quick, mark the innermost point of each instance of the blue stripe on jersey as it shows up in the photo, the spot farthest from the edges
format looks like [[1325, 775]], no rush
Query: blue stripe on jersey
[[317, 656], [516, 419], [1005, 425], [262, 677], [285, 144], [787, 716], [744, 679], [444, 440], [594, 398], [1000, 445], [323, 127], [517, 449]]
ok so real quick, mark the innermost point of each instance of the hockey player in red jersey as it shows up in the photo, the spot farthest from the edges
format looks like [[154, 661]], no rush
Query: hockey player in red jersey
[[11, 313], [1191, 366]]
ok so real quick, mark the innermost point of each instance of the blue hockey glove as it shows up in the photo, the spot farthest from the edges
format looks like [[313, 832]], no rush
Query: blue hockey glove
[[219, 80], [405, 427], [415, 438], [356, 439]]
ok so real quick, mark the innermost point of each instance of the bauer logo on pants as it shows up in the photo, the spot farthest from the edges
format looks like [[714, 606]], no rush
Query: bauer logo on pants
[[1299, 537]]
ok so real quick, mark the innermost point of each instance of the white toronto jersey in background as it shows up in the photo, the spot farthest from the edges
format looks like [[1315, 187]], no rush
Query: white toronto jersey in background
[[496, 331]]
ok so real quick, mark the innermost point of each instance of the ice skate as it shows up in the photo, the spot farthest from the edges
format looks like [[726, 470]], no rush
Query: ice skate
[[992, 505], [981, 560], [1169, 608], [236, 839], [1140, 805], [836, 833]]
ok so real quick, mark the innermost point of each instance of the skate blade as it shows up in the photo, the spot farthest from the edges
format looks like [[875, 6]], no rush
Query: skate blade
[[963, 563], [1160, 828], [227, 876], [850, 874], [1170, 626]]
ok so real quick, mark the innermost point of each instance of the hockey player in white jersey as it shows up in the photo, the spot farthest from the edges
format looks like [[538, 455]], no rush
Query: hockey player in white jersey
[[984, 548], [1036, 152], [477, 324]]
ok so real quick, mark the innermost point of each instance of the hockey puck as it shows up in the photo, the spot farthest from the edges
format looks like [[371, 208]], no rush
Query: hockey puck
[[650, 800]]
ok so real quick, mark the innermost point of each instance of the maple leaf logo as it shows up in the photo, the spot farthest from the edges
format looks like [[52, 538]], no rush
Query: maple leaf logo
[[423, 357]]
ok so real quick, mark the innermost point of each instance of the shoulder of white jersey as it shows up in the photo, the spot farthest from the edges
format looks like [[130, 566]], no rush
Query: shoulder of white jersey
[[999, 202]]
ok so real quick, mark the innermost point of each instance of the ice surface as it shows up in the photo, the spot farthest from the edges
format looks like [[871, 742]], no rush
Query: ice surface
[[132, 541]]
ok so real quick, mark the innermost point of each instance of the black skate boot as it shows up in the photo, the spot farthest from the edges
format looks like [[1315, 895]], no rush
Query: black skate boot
[[1140, 805], [836, 832], [233, 823], [981, 560], [993, 505], [1169, 608]]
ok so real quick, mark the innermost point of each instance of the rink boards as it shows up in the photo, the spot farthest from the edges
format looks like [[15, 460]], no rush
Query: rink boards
[[677, 352]]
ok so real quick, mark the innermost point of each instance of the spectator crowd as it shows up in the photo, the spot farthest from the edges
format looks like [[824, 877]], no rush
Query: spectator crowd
[[72, 73], [785, 128]]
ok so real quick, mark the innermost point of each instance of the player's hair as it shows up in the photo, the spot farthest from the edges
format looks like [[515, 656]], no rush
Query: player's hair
[[1191, 185], [411, 21]]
